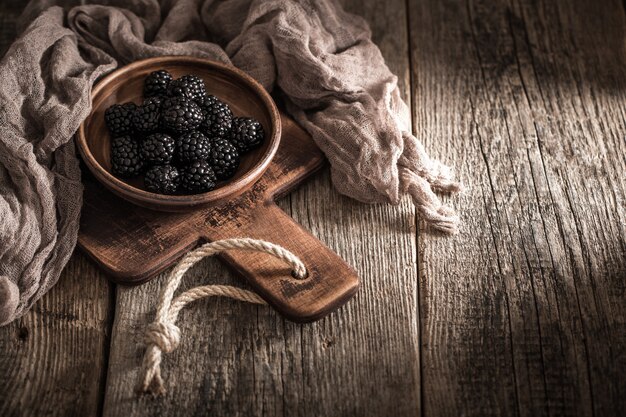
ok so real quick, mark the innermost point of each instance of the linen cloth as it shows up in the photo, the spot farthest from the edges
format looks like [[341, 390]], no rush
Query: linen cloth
[[319, 59]]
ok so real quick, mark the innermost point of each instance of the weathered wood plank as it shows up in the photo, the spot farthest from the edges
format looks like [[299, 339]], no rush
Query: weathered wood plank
[[53, 360], [238, 359], [524, 312]]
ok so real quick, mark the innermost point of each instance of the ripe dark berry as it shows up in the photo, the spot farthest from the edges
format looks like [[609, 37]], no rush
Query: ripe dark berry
[[180, 115], [218, 117], [162, 179], [156, 99], [193, 146], [125, 159], [158, 148], [118, 118], [147, 117], [156, 83], [246, 134], [197, 177], [224, 159], [188, 86]]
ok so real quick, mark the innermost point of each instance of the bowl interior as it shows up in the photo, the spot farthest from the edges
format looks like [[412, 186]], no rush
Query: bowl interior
[[127, 86]]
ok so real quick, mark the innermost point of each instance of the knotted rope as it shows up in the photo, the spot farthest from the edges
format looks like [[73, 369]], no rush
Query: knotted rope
[[164, 336]]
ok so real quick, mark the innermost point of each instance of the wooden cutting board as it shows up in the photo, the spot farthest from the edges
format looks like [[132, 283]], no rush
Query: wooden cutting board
[[134, 244]]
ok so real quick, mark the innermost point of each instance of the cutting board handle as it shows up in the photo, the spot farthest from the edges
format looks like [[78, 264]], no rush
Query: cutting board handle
[[330, 281]]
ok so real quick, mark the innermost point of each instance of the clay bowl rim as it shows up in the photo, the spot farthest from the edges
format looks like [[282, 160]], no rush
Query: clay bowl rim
[[227, 189]]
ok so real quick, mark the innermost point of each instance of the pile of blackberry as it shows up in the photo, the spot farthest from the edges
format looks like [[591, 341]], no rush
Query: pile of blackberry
[[181, 139]]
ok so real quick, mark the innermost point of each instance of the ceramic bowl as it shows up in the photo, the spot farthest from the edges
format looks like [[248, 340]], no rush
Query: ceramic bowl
[[243, 94]]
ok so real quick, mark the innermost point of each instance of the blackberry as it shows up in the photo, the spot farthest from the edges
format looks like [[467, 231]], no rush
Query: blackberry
[[156, 83], [246, 134], [188, 86], [154, 100], [118, 118], [193, 146], [125, 160], [218, 117], [224, 159], [162, 179], [147, 117], [198, 177], [180, 115], [158, 148]]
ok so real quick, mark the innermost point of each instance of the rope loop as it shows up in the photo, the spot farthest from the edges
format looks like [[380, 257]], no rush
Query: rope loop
[[164, 336]]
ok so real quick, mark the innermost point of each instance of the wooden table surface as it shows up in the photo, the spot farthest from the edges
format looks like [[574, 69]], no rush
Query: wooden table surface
[[522, 314]]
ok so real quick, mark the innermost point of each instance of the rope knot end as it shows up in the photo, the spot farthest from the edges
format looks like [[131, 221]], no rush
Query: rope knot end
[[166, 336]]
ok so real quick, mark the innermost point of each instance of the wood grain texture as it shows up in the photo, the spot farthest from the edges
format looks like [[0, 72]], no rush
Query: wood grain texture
[[243, 360], [53, 359], [523, 313]]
